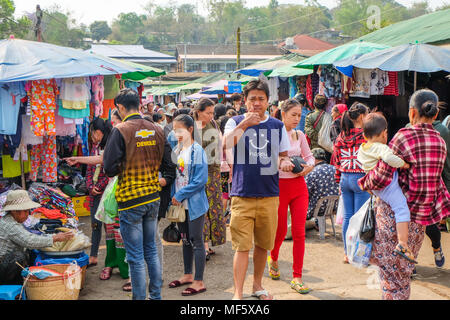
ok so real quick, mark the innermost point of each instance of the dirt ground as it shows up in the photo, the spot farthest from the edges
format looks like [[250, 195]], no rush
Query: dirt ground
[[324, 272]]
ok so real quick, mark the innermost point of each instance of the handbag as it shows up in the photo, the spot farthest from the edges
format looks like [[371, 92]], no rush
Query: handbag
[[298, 163], [176, 214], [171, 233], [367, 230]]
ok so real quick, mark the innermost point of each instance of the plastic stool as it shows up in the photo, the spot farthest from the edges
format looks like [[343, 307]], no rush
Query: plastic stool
[[11, 292]]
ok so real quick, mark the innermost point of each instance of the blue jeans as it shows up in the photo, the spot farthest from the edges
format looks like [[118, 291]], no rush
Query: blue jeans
[[353, 197], [138, 227]]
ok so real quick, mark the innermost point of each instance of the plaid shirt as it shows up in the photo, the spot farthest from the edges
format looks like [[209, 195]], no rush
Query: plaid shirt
[[345, 153], [14, 237], [102, 181], [423, 148]]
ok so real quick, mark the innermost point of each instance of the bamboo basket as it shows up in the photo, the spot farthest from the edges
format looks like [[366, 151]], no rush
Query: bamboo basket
[[54, 288]]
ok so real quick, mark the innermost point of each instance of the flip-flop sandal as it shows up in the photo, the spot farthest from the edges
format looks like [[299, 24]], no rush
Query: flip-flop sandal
[[106, 273], [259, 294], [273, 271], [192, 292], [127, 287], [300, 287], [177, 283], [405, 253]]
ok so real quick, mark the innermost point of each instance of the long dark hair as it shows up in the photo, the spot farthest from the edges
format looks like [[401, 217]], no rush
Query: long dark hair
[[201, 106], [349, 117], [188, 122], [104, 126], [425, 102]]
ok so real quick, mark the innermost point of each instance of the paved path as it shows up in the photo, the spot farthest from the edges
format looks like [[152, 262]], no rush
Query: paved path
[[324, 272]]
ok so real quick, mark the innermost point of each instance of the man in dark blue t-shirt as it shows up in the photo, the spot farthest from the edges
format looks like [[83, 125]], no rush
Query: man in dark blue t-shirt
[[260, 144]]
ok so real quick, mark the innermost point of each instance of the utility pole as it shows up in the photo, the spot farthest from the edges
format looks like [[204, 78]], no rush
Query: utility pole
[[238, 39], [185, 58]]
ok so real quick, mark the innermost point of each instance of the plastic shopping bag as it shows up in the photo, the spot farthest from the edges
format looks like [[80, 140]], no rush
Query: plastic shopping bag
[[111, 207], [101, 214], [340, 211], [358, 251], [324, 138]]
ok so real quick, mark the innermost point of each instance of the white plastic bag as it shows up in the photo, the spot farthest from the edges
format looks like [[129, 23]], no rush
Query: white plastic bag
[[101, 215], [340, 211], [358, 251], [324, 133]]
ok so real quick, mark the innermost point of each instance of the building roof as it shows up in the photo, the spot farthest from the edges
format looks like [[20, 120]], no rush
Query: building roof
[[307, 43], [429, 28], [137, 53], [227, 51]]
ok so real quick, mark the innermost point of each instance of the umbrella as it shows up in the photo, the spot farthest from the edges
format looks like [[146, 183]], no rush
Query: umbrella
[[407, 57], [223, 87], [339, 53], [144, 73], [22, 60]]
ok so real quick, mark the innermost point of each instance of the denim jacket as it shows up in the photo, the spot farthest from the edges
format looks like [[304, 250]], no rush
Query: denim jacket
[[195, 191]]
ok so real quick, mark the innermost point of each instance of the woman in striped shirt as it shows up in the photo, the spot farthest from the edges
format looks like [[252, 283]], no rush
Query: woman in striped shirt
[[428, 200]]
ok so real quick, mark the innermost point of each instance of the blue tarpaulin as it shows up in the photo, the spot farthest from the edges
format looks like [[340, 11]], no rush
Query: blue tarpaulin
[[22, 60]]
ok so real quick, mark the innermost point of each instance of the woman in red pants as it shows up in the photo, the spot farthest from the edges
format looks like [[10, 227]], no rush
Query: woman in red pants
[[293, 194]]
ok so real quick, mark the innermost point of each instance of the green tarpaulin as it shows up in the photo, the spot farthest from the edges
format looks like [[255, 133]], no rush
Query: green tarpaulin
[[146, 71], [288, 71], [339, 53], [429, 28]]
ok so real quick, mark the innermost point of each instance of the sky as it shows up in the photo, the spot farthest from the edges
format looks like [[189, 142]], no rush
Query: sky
[[88, 11]]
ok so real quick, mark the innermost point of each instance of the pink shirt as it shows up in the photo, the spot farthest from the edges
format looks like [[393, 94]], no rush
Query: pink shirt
[[300, 148]]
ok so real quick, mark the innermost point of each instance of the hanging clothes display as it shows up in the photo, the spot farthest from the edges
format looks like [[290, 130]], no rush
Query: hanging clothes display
[[361, 83], [65, 128], [28, 137], [98, 95], [378, 80], [309, 91], [74, 92], [83, 133], [273, 83], [315, 79], [10, 99], [111, 87], [42, 96], [72, 113], [44, 156], [12, 169], [392, 88], [331, 79], [346, 84], [292, 87], [108, 105]]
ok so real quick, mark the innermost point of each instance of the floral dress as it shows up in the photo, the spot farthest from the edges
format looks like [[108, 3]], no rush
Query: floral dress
[[215, 223]]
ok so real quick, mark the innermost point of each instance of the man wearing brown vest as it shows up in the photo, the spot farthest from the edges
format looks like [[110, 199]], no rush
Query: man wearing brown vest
[[134, 152]]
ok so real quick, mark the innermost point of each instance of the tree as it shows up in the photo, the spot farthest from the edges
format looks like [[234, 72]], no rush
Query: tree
[[100, 30], [10, 26]]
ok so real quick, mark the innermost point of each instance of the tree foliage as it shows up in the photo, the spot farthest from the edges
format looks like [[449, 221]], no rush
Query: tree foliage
[[99, 30], [8, 24]]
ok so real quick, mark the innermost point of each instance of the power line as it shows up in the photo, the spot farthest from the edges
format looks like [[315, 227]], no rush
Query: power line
[[287, 21], [311, 33]]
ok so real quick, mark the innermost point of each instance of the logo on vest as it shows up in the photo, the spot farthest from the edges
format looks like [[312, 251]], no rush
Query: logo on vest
[[144, 134]]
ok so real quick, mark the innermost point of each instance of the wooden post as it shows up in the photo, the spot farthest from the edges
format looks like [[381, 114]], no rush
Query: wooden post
[[415, 81], [238, 40]]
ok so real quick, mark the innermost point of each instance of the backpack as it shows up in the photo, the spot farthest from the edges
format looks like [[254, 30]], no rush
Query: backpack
[[324, 139]]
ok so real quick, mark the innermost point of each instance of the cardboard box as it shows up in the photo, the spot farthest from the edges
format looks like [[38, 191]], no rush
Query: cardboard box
[[81, 206]]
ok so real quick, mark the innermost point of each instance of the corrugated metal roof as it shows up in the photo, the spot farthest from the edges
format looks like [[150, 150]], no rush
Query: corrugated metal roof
[[128, 51]]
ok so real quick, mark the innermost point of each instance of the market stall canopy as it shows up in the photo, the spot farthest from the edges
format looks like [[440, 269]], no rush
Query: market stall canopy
[[339, 53], [223, 87], [22, 60], [288, 71], [198, 95], [429, 28], [143, 73], [407, 57], [256, 69]]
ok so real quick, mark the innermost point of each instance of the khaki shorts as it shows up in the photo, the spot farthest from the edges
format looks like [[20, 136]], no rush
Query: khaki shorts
[[253, 218]]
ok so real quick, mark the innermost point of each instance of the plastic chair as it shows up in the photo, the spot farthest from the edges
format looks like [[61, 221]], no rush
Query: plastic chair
[[331, 203], [8, 292]]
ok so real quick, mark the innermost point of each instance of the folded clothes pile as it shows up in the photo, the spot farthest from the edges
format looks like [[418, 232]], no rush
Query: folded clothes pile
[[52, 198]]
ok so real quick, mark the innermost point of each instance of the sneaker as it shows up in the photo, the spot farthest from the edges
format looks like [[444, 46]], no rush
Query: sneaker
[[439, 258]]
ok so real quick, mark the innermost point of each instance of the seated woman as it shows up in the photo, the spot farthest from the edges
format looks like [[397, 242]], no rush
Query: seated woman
[[14, 238]]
